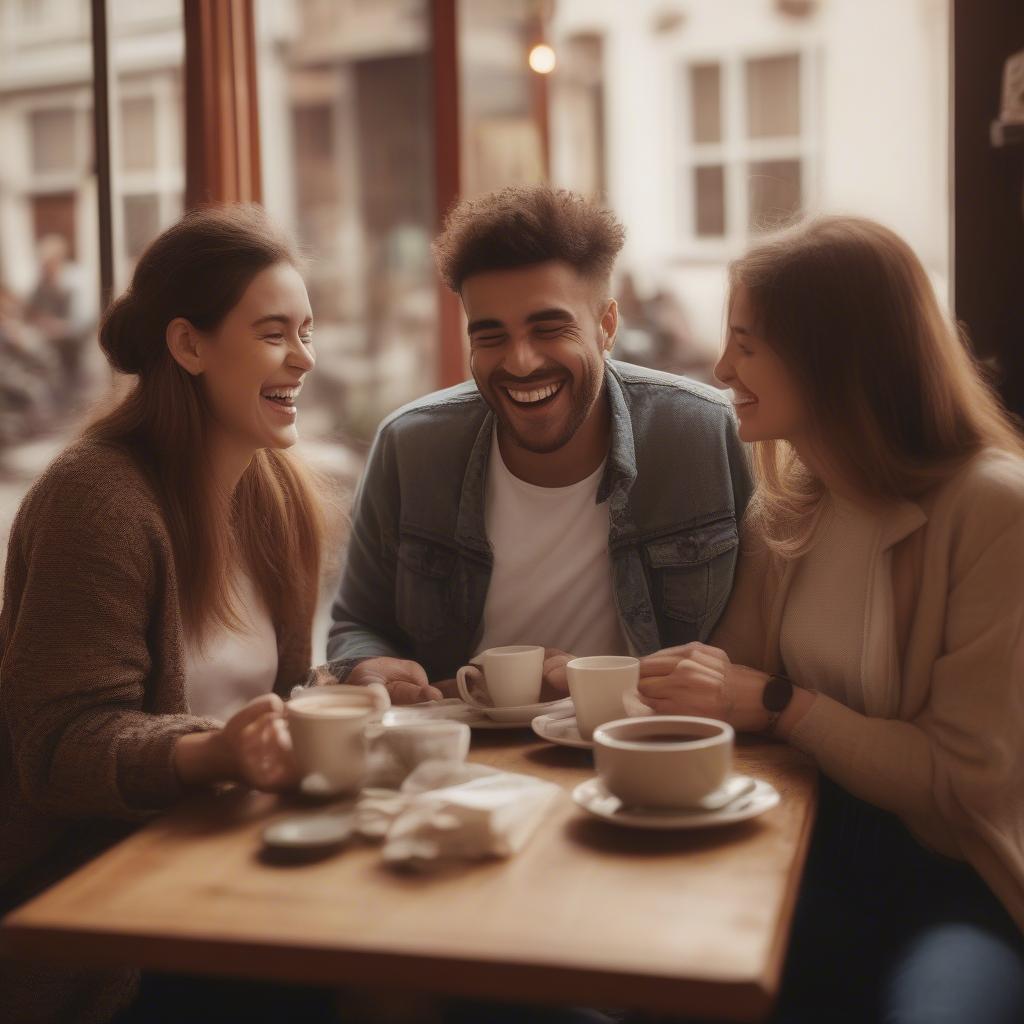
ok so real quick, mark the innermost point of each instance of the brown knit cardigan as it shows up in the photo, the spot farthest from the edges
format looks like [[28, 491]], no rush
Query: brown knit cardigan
[[92, 694]]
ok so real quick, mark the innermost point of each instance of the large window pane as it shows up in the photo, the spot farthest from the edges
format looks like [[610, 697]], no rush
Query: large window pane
[[500, 96], [148, 60], [345, 125], [50, 366]]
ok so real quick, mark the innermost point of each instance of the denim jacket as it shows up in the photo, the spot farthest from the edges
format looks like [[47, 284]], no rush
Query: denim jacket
[[419, 562]]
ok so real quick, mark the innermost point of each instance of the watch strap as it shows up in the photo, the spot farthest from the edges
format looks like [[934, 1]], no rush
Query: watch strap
[[775, 698]]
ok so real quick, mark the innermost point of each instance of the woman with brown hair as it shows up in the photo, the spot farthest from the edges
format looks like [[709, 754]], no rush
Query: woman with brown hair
[[877, 623], [162, 574]]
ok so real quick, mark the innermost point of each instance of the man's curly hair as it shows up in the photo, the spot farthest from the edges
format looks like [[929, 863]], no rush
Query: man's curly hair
[[523, 225]]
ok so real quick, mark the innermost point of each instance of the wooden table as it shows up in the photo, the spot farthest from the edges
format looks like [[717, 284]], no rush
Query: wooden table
[[586, 914]]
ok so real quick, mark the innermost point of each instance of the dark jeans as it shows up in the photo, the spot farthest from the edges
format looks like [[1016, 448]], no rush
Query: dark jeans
[[886, 931]]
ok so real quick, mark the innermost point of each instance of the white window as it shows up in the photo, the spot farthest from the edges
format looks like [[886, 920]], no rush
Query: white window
[[745, 153]]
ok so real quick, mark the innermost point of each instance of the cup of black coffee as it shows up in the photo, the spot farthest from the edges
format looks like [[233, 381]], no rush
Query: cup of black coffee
[[665, 761]]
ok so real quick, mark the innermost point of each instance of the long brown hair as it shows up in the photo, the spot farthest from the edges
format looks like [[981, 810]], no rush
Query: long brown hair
[[198, 269], [893, 393]]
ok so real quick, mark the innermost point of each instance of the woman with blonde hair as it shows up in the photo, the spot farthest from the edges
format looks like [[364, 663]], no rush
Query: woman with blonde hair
[[877, 623], [162, 575]]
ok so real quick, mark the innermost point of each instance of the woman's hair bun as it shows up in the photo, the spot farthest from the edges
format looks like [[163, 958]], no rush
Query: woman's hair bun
[[197, 269], [120, 335]]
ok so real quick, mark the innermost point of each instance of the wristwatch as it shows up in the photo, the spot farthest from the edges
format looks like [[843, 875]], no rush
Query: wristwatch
[[775, 698]]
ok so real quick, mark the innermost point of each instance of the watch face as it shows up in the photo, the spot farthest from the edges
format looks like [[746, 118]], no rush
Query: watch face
[[778, 692]]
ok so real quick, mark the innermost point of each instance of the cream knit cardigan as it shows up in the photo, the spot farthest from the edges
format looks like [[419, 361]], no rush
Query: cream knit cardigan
[[945, 637]]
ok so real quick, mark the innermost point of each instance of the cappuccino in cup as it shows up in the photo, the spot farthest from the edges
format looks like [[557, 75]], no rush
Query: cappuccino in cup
[[329, 739]]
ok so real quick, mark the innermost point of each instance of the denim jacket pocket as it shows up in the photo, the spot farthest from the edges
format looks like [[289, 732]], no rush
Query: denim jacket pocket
[[423, 587], [693, 570]]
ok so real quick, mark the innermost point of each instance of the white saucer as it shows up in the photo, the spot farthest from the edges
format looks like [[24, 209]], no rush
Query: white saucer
[[595, 799], [560, 727], [455, 710], [309, 831], [522, 715]]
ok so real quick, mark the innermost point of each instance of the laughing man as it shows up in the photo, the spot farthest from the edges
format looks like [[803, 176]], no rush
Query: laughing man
[[560, 497]]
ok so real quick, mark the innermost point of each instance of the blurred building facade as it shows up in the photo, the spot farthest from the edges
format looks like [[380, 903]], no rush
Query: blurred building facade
[[701, 122]]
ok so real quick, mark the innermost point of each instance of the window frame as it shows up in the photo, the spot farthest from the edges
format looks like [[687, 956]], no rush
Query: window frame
[[735, 151]]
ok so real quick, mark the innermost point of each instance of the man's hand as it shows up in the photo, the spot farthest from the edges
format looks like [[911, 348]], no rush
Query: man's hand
[[556, 679], [405, 681]]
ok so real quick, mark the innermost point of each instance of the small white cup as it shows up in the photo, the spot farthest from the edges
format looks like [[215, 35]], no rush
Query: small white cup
[[647, 762], [329, 738], [597, 686], [512, 676]]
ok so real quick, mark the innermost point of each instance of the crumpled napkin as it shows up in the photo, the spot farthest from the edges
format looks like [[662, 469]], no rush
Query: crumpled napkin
[[446, 812]]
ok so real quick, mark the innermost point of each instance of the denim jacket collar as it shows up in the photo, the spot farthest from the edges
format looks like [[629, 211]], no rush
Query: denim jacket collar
[[619, 474], [471, 526]]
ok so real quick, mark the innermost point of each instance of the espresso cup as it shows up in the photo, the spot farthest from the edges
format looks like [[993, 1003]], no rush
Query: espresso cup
[[329, 739], [597, 686], [668, 761], [512, 676]]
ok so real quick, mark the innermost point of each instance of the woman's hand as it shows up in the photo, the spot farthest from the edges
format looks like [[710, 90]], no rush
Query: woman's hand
[[253, 748], [696, 679], [259, 747]]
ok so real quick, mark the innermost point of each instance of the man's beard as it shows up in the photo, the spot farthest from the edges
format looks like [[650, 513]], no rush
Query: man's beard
[[583, 401]]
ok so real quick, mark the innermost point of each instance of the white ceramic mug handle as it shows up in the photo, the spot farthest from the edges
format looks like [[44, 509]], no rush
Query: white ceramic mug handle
[[460, 682]]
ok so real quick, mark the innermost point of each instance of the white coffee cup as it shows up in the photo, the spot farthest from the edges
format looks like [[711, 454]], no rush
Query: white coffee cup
[[512, 676], [664, 761], [329, 738], [597, 686]]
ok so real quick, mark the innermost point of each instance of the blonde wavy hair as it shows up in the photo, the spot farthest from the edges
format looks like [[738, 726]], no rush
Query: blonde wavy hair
[[892, 390]]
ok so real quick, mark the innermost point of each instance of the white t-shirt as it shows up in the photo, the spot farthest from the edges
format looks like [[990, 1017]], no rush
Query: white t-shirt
[[234, 667], [552, 578]]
